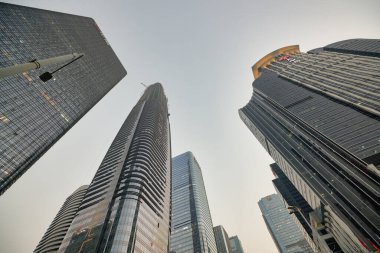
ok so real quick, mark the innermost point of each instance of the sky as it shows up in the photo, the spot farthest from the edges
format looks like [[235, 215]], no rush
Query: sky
[[202, 52]]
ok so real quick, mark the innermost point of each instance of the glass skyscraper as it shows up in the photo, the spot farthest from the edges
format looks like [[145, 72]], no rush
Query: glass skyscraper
[[317, 115], [222, 240], [192, 229], [236, 244], [293, 198], [127, 205], [54, 235], [283, 229], [34, 114]]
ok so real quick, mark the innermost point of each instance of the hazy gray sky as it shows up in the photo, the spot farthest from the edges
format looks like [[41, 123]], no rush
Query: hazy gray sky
[[202, 52]]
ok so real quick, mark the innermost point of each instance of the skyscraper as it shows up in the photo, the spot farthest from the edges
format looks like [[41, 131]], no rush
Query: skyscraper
[[54, 235], [317, 115], [127, 205], [222, 240], [283, 229], [293, 198], [34, 114], [236, 244], [191, 219]]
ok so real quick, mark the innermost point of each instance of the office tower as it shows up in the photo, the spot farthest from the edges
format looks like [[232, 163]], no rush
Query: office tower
[[317, 115], [54, 235], [34, 114], [191, 220], [127, 205], [284, 231], [236, 246], [222, 240], [293, 198]]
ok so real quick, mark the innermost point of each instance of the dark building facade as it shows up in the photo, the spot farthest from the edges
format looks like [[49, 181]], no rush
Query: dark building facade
[[317, 115], [222, 240], [192, 229], [54, 235], [34, 114], [127, 205], [236, 244]]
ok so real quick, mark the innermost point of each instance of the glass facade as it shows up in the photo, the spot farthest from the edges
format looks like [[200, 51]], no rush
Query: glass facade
[[325, 142], [236, 246], [347, 77], [54, 235], [34, 114], [192, 230], [127, 205], [222, 240], [291, 197], [286, 234]]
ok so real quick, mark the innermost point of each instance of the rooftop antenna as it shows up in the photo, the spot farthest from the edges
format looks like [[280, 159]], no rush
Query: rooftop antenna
[[144, 85]]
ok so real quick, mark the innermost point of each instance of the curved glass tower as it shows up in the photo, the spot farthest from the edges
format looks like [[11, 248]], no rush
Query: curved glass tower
[[127, 205], [192, 229], [54, 235]]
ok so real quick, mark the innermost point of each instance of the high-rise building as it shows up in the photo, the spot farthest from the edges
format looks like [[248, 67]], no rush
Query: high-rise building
[[191, 219], [293, 198], [222, 240], [54, 235], [283, 229], [127, 205], [34, 114], [236, 244], [317, 114]]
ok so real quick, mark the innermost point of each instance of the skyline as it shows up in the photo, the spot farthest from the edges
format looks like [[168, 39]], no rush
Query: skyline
[[227, 77]]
